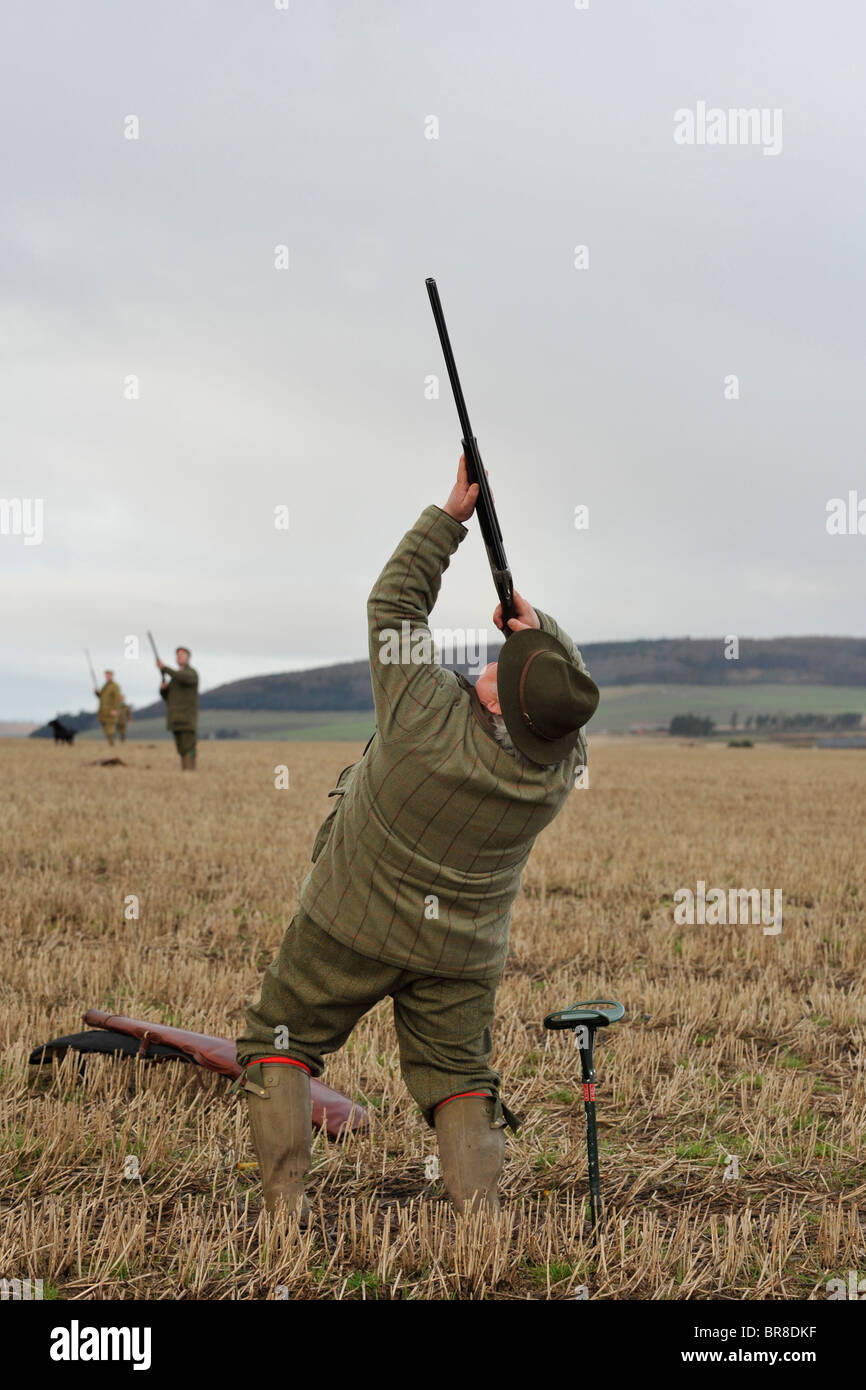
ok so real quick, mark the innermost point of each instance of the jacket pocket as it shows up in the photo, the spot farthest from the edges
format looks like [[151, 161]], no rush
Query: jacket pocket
[[324, 832], [341, 781]]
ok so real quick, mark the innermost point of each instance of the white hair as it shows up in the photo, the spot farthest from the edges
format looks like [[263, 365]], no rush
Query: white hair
[[503, 737]]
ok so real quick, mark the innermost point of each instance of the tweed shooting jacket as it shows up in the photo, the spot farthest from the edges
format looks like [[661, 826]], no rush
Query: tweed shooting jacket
[[109, 700], [181, 698], [422, 857]]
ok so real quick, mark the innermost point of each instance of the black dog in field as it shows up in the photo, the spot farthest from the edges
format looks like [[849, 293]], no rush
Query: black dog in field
[[62, 734]]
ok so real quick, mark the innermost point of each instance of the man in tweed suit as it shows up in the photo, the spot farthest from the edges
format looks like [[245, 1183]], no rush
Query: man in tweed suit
[[415, 871]]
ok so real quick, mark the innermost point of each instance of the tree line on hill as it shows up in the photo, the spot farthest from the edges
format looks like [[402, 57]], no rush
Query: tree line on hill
[[700, 726]]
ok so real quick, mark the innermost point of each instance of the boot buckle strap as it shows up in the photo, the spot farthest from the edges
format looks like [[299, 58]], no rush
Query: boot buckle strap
[[502, 1116], [242, 1082]]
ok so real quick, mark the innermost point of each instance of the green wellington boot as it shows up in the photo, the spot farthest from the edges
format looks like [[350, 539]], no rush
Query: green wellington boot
[[282, 1126], [471, 1151]]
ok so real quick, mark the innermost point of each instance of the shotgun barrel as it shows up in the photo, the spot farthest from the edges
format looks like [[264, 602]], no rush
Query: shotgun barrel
[[491, 531], [92, 672]]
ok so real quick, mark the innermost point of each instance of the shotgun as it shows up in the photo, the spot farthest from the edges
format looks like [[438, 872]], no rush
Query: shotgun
[[92, 672], [485, 508], [162, 678]]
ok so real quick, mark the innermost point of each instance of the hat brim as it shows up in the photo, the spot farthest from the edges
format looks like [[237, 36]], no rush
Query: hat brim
[[512, 658]]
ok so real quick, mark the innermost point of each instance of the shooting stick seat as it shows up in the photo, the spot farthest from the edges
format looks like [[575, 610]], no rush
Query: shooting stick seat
[[591, 1013]]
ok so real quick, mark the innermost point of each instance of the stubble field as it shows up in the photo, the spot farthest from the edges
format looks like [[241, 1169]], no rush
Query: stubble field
[[731, 1098]]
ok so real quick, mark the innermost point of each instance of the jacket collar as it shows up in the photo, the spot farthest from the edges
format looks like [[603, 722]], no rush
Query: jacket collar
[[481, 712]]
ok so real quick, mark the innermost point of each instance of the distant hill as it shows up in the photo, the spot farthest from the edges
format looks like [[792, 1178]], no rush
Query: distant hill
[[344, 687], [702, 661], [826, 661]]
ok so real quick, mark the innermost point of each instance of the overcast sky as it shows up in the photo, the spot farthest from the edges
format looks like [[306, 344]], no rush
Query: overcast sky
[[602, 386]]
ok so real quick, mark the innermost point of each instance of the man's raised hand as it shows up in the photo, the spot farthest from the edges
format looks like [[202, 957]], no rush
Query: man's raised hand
[[526, 615], [464, 495]]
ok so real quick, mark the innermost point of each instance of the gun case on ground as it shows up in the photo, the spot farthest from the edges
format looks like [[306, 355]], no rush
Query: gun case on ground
[[332, 1110]]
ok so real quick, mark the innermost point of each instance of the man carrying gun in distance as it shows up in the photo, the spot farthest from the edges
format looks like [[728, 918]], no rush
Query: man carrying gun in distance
[[415, 871], [179, 689]]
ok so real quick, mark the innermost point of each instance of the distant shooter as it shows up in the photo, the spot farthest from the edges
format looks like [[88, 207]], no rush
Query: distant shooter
[[179, 689], [110, 700], [124, 719]]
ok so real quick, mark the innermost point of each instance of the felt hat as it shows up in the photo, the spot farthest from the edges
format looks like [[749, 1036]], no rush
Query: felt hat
[[544, 697]]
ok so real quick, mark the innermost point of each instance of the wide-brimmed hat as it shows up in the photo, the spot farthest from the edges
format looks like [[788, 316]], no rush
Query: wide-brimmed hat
[[544, 697]]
